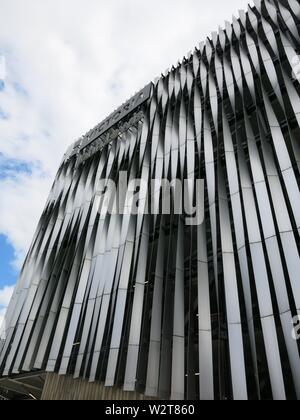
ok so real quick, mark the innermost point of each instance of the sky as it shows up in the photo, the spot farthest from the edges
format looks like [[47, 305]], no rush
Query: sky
[[64, 66]]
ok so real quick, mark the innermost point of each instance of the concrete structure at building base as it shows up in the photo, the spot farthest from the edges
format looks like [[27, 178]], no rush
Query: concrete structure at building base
[[141, 305]]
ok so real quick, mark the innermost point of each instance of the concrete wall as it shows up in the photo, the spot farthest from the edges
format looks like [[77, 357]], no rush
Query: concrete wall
[[66, 388]]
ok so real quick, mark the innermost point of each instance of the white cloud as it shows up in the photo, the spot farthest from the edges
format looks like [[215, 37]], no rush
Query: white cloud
[[5, 295], [74, 62], [25, 195]]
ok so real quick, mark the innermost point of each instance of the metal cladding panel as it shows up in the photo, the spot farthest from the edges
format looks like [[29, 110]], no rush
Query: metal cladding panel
[[142, 300]]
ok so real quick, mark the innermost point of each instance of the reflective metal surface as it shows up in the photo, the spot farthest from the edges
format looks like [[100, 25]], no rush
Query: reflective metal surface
[[144, 302]]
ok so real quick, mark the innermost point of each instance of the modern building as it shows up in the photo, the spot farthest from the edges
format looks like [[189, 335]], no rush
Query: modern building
[[142, 304]]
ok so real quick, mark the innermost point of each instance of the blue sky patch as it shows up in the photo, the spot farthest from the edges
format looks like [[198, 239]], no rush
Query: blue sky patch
[[8, 274], [9, 168]]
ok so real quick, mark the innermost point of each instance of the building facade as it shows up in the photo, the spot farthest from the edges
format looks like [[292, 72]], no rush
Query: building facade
[[143, 302]]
